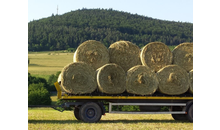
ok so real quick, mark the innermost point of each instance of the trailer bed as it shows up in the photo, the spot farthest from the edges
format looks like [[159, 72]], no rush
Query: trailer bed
[[124, 96]]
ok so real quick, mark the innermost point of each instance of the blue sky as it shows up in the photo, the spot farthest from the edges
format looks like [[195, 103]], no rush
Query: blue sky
[[172, 10]]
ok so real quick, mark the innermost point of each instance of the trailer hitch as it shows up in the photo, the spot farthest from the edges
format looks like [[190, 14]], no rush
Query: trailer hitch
[[59, 108]]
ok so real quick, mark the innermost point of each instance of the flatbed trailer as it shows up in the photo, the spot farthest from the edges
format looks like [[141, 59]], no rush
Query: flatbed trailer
[[90, 107]]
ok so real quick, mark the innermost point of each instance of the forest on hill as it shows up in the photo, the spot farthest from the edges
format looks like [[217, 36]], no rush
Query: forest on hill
[[60, 32]]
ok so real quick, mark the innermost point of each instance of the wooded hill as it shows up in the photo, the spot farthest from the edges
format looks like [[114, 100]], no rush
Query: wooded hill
[[60, 32]]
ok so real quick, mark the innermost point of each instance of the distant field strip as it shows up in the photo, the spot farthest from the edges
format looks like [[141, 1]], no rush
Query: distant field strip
[[48, 63]]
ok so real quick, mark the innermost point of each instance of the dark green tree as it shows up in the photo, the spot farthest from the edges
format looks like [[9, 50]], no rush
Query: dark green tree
[[71, 29], [52, 79], [38, 95]]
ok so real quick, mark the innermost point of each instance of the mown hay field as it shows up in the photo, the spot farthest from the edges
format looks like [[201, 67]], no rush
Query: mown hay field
[[49, 119], [43, 64]]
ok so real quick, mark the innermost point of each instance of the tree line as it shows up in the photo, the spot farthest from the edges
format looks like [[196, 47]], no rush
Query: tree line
[[60, 32]]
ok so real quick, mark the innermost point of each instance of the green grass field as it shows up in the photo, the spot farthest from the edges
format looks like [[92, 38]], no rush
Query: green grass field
[[49, 119], [43, 64]]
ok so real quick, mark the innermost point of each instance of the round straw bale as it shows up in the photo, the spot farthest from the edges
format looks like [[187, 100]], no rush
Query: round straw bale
[[183, 56], [78, 78], [93, 53], [191, 81], [141, 80], [59, 81], [156, 55], [59, 78], [173, 80], [111, 79], [124, 54]]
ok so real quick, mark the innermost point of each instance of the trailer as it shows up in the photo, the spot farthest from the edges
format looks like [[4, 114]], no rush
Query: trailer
[[90, 107]]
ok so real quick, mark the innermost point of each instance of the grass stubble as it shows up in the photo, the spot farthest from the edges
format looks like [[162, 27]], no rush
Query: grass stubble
[[49, 119]]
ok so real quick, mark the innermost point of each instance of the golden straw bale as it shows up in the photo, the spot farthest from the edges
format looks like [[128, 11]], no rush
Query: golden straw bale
[[183, 56], [124, 54], [191, 81], [156, 55], [111, 79], [173, 80], [78, 78], [141, 80], [93, 53], [59, 81], [59, 78]]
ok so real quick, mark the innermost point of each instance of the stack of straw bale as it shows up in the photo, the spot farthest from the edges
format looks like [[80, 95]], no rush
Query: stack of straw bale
[[153, 68]]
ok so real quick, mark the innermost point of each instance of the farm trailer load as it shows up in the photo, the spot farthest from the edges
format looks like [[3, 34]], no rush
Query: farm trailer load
[[90, 108]]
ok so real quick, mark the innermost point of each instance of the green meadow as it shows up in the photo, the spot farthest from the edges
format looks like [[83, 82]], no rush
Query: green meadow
[[43, 64]]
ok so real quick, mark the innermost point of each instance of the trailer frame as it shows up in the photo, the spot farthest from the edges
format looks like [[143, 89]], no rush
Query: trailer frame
[[89, 108]]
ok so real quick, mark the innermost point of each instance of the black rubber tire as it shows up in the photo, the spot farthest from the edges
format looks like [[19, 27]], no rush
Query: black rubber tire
[[76, 113], [179, 116], [90, 112], [190, 113]]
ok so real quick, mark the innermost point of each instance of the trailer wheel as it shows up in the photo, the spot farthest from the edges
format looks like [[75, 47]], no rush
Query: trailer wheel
[[76, 113], [90, 112], [179, 116], [190, 113]]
